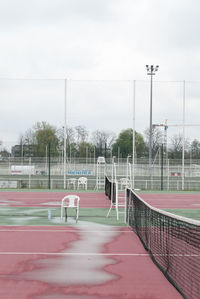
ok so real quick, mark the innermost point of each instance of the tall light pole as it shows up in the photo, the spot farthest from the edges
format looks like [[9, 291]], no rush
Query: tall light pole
[[151, 70], [133, 160], [65, 132]]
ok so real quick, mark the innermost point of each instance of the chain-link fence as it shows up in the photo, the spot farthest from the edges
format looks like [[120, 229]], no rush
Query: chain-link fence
[[98, 104], [44, 174]]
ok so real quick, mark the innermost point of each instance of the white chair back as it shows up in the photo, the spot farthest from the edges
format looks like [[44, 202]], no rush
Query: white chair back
[[124, 182], [82, 181], [70, 201]]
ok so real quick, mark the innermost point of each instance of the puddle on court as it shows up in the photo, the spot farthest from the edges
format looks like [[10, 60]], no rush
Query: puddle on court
[[51, 203], [21, 220], [20, 216], [58, 220], [84, 264], [71, 296], [8, 202]]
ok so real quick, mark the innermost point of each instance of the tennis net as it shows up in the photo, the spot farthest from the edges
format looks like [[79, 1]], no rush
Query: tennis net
[[110, 189], [173, 243]]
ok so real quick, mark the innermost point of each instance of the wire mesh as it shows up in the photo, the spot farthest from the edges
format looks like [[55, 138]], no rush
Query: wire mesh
[[173, 243]]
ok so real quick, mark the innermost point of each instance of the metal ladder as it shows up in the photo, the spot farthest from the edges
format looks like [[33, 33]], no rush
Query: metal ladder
[[101, 171]]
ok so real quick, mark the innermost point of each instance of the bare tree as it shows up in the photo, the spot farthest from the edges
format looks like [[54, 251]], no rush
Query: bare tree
[[70, 135], [157, 138], [29, 137], [195, 149], [82, 134], [175, 150], [102, 139]]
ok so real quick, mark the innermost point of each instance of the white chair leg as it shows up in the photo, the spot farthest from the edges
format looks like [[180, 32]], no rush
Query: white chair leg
[[61, 212], [77, 212], [66, 214]]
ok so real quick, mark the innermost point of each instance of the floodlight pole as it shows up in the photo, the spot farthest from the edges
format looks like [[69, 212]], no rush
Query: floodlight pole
[[183, 147], [151, 71], [65, 132], [133, 160]]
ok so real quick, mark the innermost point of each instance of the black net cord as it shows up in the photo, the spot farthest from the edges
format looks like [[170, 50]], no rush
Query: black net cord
[[110, 189]]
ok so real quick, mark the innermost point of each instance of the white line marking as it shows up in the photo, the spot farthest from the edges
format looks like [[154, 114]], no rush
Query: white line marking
[[64, 231], [95, 254], [74, 253]]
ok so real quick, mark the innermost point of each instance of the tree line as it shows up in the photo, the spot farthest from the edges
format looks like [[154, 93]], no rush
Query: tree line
[[79, 143]]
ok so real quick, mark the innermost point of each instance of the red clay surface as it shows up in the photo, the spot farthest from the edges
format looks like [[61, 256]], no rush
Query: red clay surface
[[76, 263], [98, 200], [174, 201], [29, 255], [35, 199]]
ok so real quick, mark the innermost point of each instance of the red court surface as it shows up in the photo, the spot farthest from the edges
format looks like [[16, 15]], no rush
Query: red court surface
[[174, 201], [98, 200], [78, 263], [35, 199]]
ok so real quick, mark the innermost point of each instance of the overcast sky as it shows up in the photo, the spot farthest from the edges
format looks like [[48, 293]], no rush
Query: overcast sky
[[100, 47]]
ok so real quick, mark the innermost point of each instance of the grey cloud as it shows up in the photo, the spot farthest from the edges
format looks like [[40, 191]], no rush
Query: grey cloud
[[23, 12], [176, 24], [97, 39]]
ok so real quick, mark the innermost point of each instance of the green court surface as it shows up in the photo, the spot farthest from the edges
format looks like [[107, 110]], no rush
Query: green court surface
[[51, 216], [139, 191], [188, 213], [50, 190], [166, 192]]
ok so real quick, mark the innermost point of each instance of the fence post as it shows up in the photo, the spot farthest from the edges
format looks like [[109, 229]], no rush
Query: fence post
[[49, 155], [162, 160]]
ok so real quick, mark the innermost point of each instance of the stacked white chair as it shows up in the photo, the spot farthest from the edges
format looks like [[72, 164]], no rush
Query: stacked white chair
[[70, 201], [82, 182]]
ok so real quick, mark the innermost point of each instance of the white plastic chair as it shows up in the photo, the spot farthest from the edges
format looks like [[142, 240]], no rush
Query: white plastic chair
[[82, 181], [124, 182], [71, 182], [70, 201]]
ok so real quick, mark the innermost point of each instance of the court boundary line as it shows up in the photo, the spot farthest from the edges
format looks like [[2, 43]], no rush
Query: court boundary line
[[93, 254], [73, 253], [65, 231]]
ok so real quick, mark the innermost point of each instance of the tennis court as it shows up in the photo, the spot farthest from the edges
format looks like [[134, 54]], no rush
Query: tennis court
[[97, 257]]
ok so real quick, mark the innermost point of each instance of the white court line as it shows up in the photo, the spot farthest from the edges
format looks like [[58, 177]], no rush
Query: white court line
[[65, 231], [95, 254], [74, 253]]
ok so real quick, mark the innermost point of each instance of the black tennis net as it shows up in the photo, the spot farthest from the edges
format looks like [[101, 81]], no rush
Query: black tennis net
[[110, 189], [173, 243]]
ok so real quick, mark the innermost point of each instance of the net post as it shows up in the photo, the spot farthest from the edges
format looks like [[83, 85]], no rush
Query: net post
[[116, 199], [66, 214], [125, 205], [127, 201], [150, 230]]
